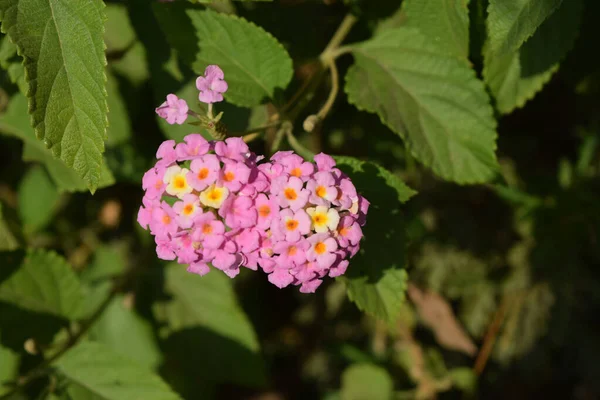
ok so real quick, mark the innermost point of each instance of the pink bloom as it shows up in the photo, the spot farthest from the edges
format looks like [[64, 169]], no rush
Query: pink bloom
[[200, 268], [363, 205], [144, 217], [322, 250], [165, 250], [195, 145], [296, 166], [186, 210], [348, 231], [174, 110], [267, 210], [270, 170], [324, 162], [239, 212], [278, 156], [186, 253], [211, 85], [233, 147], [204, 171], [322, 189], [267, 265], [227, 262], [289, 192], [310, 286], [338, 268], [291, 254], [280, 277], [308, 271], [163, 220], [166, 154], [209, 232], [247, 240], [291, 225], [153, 184], [347, 194], [234, 175]]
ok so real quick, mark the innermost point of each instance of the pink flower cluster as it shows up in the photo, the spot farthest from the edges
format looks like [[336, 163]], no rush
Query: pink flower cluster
[[210, 203]]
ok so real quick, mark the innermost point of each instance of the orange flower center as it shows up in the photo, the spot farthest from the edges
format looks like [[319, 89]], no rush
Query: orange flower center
[[321, 191], [264, 211], [292, 250], [229, 176], [343, 231], [188, 209], [203, 173], [214, 195], [319, 219], [290, 194], [179, 182], [166, 220], [207, 229], [320, 248], [158, 183], [291, 224], [297, 172]]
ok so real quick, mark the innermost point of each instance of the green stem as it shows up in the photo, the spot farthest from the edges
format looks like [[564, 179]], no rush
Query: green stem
[[340, 34], [299, 148]]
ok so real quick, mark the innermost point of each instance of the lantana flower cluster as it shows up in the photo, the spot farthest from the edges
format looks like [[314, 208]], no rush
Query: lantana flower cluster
[[211, 203]]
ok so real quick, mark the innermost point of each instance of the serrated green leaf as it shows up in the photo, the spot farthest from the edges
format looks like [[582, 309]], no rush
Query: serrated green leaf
[[254, 62], [43, 282], [207, 328], [444, 22], [127, 333], [431, 99], [404, 192], [515, 77], [366, 382], [375, 279], [110, 375], [511, 23], [37, 199], [15, 122], [62, 45]]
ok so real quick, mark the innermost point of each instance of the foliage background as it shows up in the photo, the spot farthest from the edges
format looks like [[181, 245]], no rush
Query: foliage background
[[484, 284]]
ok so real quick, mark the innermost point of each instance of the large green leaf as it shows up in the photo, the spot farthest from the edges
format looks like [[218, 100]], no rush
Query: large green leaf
[[515, 77], [208, 329], [254, 62], [444, 22], [42, 282], [8, 241], [14, 122], [38, 198], [366, 381], [511, 23], [431, 99], [62, 45], [126, 333], [12, 63], [9, 367], [111, 376], [376, 280]]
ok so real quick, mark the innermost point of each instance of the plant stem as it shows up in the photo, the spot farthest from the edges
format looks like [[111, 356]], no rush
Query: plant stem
[[335, 86], [340, 34], [295, 144]]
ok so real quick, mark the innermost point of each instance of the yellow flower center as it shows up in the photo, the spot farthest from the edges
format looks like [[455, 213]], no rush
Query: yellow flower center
[[297, 172], [291, 225], [290, 194], [320, 248], [321, 191], [179, 182], [203, 173], [264, 211], [319, 219], [214, 195]]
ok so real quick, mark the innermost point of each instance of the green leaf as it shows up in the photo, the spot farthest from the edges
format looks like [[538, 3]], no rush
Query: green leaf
[[515, 77], [207, 328], [43, 282], [254, 62], [109, 262], [12, 63], [62, 45], [118, 33], [404, 192], [431, 99], [366, 382], [38, 199], [444, 22], [7, 238], [376, 280], [126, 333], [119, 127], [511, 23], [14, 122], [9, 367], [110, 375]]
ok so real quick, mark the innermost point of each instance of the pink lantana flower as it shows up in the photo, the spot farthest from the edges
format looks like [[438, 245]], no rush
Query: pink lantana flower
[[291, 254], [291, 225], [348, 231], [144, 217], [204, 171], [165, 248], [267, 210], [239, 212], [233, 175], [295, 165], [211, 85], [280, 277], [209, 232], [186, 253], [195, 145], [324, 162], [163, 221], [174, 110], [186, 210], [290, 192], [199, 268], [322, 189], [322, 250], [166, 154], [234, 148]]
